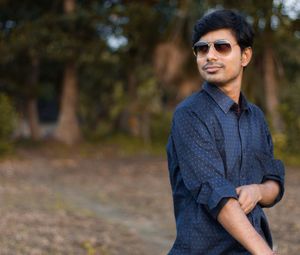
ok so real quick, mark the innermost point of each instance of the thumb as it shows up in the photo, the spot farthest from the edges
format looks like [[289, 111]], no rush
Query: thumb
[[238, 190]]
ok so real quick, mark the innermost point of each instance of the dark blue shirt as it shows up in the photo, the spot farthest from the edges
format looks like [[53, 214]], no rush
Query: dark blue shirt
[[214, 147]]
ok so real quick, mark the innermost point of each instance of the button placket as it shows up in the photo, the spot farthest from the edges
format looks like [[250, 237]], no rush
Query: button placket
[[242, 173]]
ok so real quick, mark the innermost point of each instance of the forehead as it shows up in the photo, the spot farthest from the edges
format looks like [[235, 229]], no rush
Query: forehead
[[225, 33]]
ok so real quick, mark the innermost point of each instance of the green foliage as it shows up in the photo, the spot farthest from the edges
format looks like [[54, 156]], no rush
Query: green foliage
[[7, 124], [160, 127], [291, 113], [113, 43]]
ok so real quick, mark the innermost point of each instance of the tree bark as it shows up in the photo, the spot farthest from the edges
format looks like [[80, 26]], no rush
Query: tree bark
[[133, 120], [33, 121], [271, 90], [69, 6], [31, 102], [68, 130], [145, 127]]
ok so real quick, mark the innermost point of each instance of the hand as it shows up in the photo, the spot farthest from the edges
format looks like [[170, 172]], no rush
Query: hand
[[249, 196]]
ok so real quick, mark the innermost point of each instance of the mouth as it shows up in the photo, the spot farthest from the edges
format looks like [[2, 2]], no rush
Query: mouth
[[212, 68]]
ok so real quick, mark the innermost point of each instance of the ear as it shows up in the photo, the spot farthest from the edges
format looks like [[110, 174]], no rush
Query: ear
[[246, 56]]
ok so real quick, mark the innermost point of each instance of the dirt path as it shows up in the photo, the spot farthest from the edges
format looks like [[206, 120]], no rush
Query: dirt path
[[105, 206]]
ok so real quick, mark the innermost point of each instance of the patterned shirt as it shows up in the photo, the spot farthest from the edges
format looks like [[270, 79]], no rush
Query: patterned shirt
[[216, 145]]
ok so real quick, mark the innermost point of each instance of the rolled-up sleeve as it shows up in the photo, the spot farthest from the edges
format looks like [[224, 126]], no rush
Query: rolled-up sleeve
[[200, 163], [273, 168]]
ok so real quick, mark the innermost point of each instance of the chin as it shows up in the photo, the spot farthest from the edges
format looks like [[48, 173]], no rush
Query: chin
[[214, 80]]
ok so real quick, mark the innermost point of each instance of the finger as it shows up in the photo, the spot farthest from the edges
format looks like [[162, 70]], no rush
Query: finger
[[248, 209], [244, 210], [242, 198], [238, 190], [246, 203], [245, 207]]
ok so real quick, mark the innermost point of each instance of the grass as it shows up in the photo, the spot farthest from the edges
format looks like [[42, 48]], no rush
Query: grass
[[111, 146], [119, 145], [131, 145]]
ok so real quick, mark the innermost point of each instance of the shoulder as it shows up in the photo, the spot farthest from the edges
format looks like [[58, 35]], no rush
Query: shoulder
[[256, 111], [258, 116], [197, 105]]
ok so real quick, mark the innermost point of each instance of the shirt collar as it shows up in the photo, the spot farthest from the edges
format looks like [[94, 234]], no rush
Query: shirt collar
[[224, 101]]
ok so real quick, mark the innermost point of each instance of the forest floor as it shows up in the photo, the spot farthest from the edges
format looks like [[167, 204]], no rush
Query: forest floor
[[105, 204]]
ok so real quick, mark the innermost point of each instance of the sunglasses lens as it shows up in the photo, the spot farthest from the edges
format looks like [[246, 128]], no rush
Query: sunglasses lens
[[222, 47], [201, 49]]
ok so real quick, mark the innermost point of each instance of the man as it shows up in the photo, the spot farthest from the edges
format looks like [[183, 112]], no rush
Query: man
[[220, 152]]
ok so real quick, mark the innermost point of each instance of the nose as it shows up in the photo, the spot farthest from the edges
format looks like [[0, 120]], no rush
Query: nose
[[211, 54]]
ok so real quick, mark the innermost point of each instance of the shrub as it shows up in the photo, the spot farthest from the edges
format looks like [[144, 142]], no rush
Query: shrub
[[7, 123]]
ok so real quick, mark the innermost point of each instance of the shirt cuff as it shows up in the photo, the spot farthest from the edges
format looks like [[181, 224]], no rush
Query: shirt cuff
[[274, 170], [215, 212], [213, 192]]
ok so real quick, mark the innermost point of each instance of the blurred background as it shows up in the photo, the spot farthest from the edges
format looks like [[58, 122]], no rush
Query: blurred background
[[87, 91]]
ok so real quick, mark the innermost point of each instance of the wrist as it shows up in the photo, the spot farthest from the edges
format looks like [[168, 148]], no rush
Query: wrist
[[259, 192], [261, 247], [267, 253]]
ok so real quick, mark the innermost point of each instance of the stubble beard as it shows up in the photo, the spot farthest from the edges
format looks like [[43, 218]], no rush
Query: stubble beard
[[218, 78]]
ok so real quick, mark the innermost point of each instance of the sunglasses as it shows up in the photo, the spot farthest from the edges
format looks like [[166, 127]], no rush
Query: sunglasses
[[223, 47]]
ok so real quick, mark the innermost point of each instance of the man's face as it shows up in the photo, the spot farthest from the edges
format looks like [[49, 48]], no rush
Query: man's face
[[218, 67]]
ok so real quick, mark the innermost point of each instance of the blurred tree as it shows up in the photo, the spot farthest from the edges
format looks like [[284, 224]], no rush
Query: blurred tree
[[121, 64], [21, 53], [78, 43], [173, 60], [266, 14], [7, 123], [142, 25], [158, 35], [68, 130], [41, 32]]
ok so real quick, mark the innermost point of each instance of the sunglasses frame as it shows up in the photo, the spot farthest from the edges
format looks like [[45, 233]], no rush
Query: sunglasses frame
[[209, 44]]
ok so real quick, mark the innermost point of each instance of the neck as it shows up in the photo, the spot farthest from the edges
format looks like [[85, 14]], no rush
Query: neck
[[232, 92], [232, 89]]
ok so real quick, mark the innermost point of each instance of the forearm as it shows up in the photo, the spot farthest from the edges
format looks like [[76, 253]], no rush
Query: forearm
[[234, 220], [269, 191]]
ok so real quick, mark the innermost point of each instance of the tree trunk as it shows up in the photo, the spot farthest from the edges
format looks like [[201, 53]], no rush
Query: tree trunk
[[271, 87], [31, 103], [145, 127], [68, 130], [33, 121], [69, 6], [133, 120]]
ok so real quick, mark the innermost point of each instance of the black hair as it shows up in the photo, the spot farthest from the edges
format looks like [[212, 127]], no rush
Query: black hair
[[230, 19]]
